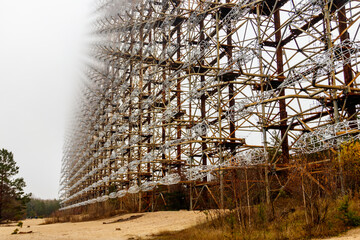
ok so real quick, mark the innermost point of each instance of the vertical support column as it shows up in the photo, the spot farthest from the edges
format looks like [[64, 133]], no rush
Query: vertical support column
[[282, 103], [219, 107], [348, 74], [149, 120], [178, 99], [191, 122], [229, 50], [263, 116], [329, 46], [163, 129], [129, 134], [333, 82], [203, 103], [140, 86]]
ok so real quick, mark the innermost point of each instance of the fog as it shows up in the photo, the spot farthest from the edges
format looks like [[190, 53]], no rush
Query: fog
[[42, 43]]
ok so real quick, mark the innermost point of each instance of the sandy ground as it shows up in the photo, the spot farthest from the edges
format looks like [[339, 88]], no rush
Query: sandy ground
[[128, 227], [349, 235], [147, 224]]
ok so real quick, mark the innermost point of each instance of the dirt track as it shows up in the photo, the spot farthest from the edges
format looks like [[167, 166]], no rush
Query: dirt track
[[350, 235], [127, 227]]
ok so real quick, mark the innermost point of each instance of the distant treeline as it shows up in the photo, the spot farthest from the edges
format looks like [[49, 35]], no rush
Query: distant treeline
[[41, 208]]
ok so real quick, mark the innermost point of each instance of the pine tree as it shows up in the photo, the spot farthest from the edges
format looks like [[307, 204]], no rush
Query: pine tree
[[12, 197]]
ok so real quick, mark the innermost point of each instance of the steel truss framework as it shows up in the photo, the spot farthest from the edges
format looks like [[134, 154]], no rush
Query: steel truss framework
[[180, 91]]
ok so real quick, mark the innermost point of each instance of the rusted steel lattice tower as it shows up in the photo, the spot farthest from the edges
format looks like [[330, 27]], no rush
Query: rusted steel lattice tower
[[183, 92]]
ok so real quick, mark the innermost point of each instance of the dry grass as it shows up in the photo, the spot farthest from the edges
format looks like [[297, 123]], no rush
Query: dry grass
[[283, 221], [193, 233]]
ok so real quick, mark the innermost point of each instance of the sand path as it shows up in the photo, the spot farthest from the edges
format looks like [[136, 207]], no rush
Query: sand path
[[349, 235], [147, 224]]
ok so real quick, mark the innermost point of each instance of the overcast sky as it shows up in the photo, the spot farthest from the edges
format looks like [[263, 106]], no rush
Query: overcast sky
[[41, 45]]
